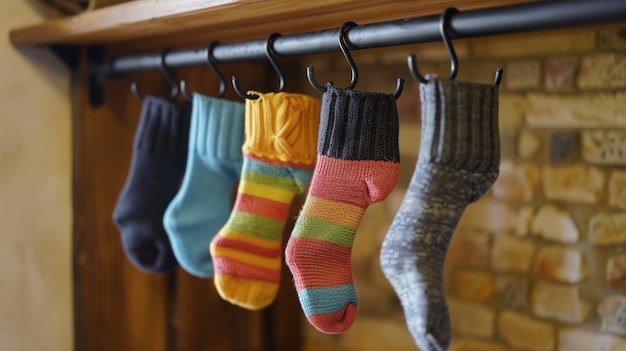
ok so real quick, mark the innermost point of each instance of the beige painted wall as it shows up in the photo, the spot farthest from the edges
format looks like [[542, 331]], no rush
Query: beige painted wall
[[35, 198]]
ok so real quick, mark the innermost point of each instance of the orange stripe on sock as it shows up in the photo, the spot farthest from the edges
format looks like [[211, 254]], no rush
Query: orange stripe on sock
[[230, 267], [246, 257], [338, 212], [268, 244], [262, 207], [246, 246]]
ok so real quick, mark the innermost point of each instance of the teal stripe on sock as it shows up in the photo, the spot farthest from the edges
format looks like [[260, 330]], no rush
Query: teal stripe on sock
[[299, 178], [326, 300]]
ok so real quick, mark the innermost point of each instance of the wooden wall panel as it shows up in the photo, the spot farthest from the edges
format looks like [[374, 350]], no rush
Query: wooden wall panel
[[118, 307]]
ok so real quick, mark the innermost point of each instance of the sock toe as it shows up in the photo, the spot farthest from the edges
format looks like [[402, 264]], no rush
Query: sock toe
[[147, 252], [249, 294], [336, 322]]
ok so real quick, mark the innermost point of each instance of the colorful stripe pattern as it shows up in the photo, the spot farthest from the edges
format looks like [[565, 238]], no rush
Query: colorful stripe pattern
[[319, 251], [247, 251], [358, 164]]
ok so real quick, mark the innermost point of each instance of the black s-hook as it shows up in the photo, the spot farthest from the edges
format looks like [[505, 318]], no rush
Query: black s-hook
[[210, 60], [354, 73], [271, 56], [444, 31], [444, 23], [168, 75]]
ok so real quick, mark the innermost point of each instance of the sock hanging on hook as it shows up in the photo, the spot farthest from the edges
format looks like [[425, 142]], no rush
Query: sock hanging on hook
[[271, 56], [354, 73]]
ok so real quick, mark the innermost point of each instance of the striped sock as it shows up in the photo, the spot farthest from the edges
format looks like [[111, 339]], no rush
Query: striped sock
[[279, 157], [357, 165]]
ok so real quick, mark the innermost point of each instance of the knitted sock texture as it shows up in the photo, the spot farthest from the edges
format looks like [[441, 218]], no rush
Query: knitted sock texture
[[157, 166], [358, 164], [203, 203], [458, 161], [281, 131]]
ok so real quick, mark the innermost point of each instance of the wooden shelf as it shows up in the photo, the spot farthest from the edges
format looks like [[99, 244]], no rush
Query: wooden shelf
[[176, 23]]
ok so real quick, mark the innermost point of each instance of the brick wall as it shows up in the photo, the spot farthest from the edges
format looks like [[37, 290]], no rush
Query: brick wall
[[539, 263]]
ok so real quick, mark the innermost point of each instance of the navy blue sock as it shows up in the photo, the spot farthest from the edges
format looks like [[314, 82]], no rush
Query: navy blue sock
[[158, 165]]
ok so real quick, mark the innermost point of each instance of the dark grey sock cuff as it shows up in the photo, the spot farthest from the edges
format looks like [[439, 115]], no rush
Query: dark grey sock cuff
[[357, 125], [163, 126], [460, 125]]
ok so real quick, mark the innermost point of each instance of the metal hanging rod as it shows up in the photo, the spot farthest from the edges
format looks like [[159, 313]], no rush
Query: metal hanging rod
[[526, 17]]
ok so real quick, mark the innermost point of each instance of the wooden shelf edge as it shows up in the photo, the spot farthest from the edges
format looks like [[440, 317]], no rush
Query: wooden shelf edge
[[144, 19]]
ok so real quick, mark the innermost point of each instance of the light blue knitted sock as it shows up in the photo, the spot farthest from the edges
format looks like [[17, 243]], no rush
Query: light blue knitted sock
[[214, 162]]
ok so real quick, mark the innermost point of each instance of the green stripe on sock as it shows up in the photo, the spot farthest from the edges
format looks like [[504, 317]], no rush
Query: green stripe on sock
[[319, 229], [274, 181], [260, 227]]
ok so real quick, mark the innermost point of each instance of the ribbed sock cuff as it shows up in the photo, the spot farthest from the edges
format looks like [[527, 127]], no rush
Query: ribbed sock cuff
[[460, 125], [282, 127], [357, 125], [163, 126], [217, 128]]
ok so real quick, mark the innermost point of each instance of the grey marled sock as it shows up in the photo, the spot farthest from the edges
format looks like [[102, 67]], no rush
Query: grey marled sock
[[458, 161]]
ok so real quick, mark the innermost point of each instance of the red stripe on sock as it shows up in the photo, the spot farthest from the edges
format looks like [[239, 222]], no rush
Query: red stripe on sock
[[356, 182], [318, 264], [244, 246], [259, 206], [336, 322], [234, 268]]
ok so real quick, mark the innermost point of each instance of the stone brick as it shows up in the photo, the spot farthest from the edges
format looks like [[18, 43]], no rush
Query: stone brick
[[521, 75], [604, 147], [612, 39], [488, 215], [467, 344], [525, 332], [564, 146], [575, 183], [554, 224], [559, 73], [559, 262], [513, 291], [528, 143], [511, 254], [582, 110], [508, 147], [511, 112], [516, 182], [523, 220], [616, 272], [471, 319], [617, 189], [375, 334], [469, 247], [473, 285], [602, 70], [587, 340], [607, 229], [613, 313], [560, 302]]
